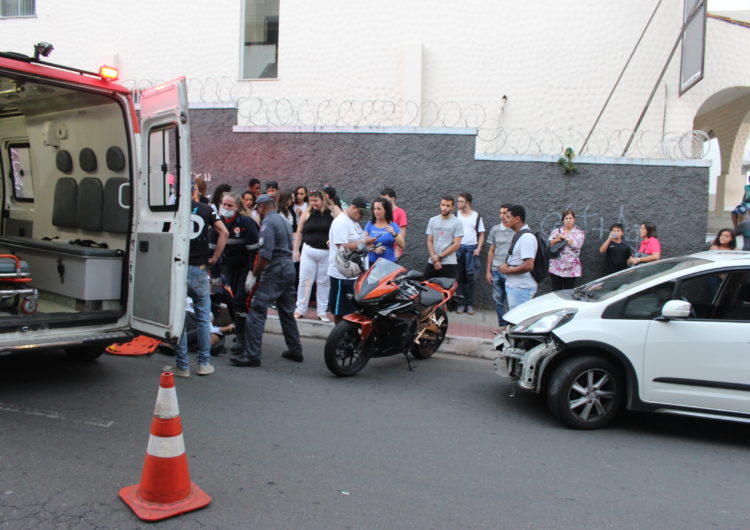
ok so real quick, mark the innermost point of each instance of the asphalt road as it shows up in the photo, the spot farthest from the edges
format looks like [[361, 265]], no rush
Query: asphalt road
[[290, 446]]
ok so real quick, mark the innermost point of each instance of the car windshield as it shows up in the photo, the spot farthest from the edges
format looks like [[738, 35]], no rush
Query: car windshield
[[376, 273], [617, 283]]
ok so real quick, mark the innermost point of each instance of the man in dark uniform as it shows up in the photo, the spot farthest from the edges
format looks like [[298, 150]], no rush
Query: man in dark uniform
[[274, 270], [202, 217]]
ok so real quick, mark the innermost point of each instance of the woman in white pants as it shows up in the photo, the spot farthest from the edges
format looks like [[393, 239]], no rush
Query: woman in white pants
[[312, 233]]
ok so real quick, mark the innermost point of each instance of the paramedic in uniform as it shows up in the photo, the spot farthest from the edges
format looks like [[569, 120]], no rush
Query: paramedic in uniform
[[200, 260], [274, 271]]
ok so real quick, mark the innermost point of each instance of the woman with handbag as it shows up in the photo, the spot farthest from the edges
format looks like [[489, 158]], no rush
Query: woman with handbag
[[565, 252]]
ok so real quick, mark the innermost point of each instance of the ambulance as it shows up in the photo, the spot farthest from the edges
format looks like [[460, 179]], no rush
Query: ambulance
[[95, 224]]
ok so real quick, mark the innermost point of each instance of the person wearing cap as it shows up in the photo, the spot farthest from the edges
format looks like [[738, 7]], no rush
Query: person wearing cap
[[274, 271], [345, 233]]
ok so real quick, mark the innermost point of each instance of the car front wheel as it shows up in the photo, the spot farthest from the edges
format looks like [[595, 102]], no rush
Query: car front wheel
[[586, 392]]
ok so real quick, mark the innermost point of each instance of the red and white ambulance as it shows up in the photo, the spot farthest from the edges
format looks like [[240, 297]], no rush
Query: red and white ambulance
[[95, 222]]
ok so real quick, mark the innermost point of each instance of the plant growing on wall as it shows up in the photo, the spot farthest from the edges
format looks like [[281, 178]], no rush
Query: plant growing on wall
[[566, 161]]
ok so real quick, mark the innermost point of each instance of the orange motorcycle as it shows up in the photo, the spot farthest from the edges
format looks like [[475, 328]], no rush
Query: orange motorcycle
[[399, 313]]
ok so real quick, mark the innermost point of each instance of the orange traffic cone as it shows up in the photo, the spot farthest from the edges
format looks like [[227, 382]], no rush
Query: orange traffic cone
[[165, 489]]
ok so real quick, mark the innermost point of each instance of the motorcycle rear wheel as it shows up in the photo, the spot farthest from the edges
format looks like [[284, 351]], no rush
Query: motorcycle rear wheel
[[345, 353], [429, 343]]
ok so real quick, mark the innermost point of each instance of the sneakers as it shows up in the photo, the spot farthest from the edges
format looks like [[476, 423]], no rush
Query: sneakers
[[204, 369], [324, 318], [178, 372], [296, 357], [470, 309], [460, 309]]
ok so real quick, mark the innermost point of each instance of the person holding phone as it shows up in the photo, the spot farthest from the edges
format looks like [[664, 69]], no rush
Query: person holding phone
[[650, 249], [616, 249], [387, 233]]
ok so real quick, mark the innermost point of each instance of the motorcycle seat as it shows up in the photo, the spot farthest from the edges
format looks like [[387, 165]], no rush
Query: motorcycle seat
[[430, 297], [445, 283]]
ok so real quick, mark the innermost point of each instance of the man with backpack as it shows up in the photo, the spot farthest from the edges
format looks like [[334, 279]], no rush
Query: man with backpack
[[468, 252], [520, 283]]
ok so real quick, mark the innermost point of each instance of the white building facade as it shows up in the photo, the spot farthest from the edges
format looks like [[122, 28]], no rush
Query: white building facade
[[532, 77]]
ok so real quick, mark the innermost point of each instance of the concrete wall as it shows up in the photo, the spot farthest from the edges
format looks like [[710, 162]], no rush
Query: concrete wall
[[423, 167]]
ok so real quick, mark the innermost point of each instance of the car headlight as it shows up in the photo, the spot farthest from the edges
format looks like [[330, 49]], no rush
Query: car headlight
[[545, 322]]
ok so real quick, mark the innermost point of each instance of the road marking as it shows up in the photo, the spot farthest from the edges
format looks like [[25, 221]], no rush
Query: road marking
[[55, 415]]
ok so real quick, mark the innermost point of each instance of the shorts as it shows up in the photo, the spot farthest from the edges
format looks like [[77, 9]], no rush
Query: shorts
[[742, 208], [338, 302]]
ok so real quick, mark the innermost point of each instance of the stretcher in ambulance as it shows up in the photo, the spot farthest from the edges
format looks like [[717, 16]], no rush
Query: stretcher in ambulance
[[95, 198]]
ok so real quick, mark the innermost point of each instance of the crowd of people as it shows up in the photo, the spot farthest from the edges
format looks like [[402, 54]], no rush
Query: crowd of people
[[293, 237]]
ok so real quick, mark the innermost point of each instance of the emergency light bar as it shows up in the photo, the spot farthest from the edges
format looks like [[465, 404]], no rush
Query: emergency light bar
[[108, 73]]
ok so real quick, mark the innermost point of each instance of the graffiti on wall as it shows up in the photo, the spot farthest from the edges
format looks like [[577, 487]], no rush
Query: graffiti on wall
[[205, 176], [593, 223]]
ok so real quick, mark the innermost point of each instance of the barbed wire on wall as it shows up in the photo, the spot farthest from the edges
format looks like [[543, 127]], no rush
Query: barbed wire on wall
[[492, 137]]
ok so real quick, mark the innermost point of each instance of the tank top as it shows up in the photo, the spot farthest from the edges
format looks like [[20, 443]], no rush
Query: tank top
[[315, 231]]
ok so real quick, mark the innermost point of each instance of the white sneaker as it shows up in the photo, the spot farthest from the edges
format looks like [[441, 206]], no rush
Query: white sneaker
[[177, 371], [204, 369], [324, 318]]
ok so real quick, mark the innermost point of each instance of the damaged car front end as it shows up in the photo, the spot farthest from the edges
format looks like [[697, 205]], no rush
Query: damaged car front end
[[525, 349]]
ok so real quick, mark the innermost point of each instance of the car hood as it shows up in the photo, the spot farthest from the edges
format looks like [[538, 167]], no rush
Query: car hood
[[543, 304]]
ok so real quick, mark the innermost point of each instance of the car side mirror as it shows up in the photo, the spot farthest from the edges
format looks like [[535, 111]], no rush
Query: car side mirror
[[676, 309], [413, 275]]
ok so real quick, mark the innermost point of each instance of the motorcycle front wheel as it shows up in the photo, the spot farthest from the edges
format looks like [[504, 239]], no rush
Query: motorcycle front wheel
[[345, 353]]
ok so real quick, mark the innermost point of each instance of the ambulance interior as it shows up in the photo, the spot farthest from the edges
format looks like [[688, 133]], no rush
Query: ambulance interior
[[66, 159]]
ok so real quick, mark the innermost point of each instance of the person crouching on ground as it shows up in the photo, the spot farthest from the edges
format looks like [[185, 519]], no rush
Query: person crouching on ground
[[274, 271]]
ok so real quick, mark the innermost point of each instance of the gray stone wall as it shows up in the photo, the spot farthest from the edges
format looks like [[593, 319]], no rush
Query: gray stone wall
[[424, 167]]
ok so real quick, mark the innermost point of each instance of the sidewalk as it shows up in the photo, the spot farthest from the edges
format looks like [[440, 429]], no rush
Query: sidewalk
[[469, 335]]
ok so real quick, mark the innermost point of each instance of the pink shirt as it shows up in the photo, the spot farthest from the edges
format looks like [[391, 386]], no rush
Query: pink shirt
[[399, 217], [649, 246]]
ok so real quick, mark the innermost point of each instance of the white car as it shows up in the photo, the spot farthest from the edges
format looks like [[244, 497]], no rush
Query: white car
[[671, 336]]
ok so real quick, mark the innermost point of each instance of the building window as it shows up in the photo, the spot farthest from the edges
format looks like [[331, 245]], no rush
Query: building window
[[260, 42], [17, 8]]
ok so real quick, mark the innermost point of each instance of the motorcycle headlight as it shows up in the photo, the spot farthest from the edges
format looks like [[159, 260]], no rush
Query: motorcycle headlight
[[545, 322]]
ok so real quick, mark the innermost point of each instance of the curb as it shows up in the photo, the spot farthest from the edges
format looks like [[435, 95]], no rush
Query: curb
[[453, 344]]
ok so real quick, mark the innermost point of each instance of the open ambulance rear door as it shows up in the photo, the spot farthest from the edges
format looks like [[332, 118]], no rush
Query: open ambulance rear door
[[160, 244]]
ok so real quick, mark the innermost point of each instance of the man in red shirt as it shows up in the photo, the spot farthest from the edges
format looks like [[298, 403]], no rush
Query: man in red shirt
[[399, 216]]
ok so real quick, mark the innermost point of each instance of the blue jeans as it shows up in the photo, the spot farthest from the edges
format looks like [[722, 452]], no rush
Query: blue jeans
[[499, 296], [199, 290], [519, 295], [467, 271]]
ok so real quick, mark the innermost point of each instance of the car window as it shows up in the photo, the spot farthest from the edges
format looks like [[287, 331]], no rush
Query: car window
[[735, 297], [647, 304], [703, 292], [614, 284]]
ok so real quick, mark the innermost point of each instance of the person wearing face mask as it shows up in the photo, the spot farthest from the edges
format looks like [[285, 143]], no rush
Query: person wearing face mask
[[238, 258]]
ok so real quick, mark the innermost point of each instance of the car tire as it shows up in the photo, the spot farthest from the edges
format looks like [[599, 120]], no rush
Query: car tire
[[586, 392]]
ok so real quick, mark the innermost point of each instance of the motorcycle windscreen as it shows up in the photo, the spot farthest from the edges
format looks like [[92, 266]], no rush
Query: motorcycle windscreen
[[373, 283]]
